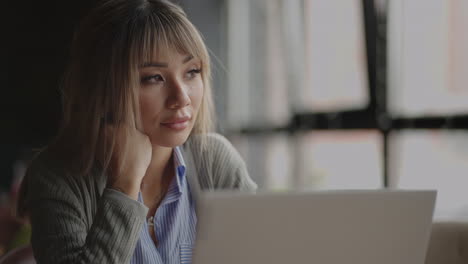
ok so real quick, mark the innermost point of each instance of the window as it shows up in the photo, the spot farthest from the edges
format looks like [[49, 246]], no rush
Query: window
[[293, 57], [335, 159], [433, 159], [352, 95]]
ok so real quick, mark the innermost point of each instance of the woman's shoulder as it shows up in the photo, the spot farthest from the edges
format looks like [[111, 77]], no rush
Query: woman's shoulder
[[216, 148], [39, 181], [46, 166], [43, 166], [218, 163]]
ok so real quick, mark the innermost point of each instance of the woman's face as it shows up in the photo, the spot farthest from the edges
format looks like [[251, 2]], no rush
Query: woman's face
[[171, 92]]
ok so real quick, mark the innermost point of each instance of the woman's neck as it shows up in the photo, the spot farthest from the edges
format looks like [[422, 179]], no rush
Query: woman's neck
[[157, 178], [158, 168]]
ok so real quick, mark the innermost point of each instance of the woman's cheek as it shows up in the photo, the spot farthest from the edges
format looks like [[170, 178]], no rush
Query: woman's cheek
[[148, 111], [198, 94]]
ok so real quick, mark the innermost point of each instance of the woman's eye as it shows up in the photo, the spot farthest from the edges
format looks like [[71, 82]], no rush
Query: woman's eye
[[193, 73], [152, 79]]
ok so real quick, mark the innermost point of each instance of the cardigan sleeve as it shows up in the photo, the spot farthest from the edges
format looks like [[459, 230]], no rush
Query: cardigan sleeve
[[60, 231]]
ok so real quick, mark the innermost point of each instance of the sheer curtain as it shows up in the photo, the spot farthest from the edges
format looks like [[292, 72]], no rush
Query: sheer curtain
[[258, 93], [427, 57], [294, 55], [335, 56], [291, 56]]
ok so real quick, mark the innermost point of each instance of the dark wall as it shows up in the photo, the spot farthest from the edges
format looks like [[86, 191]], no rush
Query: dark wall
[[34, 50], [38, 35]]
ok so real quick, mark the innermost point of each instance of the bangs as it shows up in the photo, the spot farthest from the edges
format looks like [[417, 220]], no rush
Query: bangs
[[159, 32]]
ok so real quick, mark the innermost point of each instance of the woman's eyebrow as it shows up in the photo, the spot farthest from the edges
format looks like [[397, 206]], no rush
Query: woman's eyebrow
[[188, 58]]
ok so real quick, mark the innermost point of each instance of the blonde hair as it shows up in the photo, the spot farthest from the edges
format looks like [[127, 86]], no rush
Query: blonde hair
[[102, 81]]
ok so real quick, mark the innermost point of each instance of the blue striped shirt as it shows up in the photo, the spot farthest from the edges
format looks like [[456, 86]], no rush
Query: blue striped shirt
[[174, 223]]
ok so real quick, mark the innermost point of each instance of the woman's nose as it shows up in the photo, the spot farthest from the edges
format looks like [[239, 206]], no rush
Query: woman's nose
[[178, 95]]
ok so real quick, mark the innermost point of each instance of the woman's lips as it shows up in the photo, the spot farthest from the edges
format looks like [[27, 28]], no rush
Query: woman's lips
[[177, 124]]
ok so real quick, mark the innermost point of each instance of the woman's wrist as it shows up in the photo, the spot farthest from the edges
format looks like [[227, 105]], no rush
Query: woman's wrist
[[127, 182]]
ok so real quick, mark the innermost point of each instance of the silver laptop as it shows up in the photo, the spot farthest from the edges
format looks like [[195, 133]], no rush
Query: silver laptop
[[329, 227]]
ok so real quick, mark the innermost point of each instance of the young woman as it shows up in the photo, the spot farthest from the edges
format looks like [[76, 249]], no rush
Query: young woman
[[119, 183]]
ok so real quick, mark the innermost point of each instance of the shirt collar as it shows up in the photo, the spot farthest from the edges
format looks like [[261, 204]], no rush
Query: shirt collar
[[180, 168], [177, 185]]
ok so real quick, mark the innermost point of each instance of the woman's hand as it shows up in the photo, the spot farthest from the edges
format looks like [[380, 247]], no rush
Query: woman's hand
[[126, 170]]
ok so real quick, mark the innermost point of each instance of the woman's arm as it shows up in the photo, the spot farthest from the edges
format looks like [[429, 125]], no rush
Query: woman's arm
[[61, 231]]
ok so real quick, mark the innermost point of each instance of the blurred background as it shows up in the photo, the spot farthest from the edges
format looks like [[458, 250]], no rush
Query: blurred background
[[315, 94]]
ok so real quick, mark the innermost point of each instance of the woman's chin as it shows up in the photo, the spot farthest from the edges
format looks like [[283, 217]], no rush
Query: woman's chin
[[170, 140]]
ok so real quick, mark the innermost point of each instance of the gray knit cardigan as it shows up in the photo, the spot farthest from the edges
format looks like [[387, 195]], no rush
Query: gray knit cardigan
[[79, 220]]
